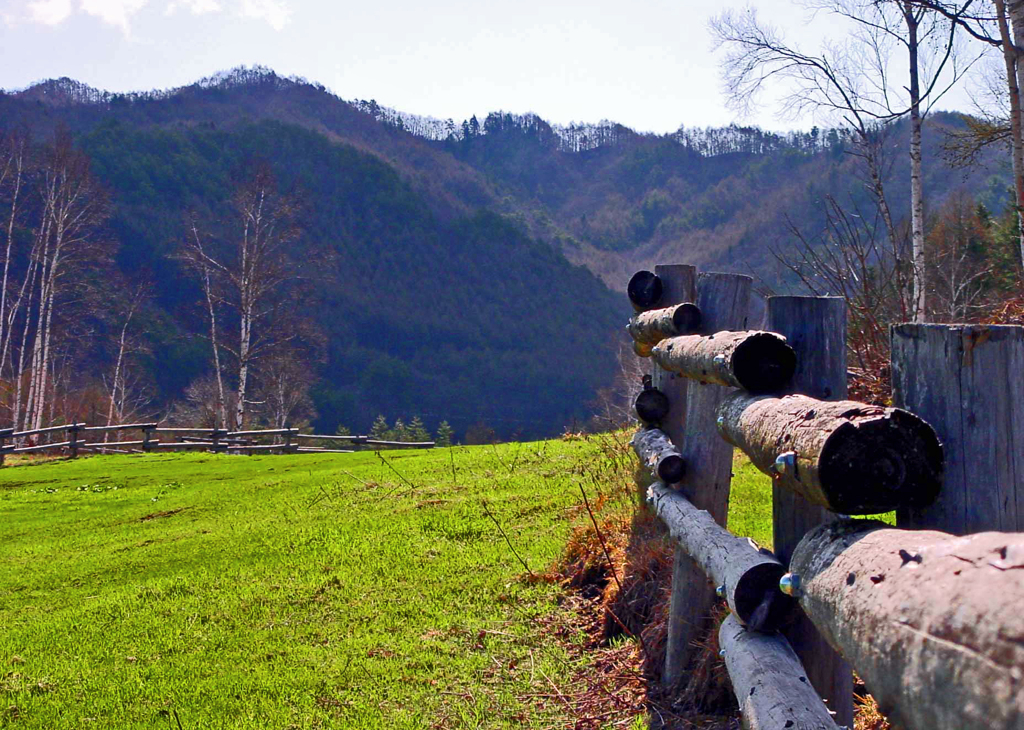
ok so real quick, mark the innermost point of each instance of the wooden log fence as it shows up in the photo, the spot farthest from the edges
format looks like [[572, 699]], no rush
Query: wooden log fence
[[931, 621], [189, 439]]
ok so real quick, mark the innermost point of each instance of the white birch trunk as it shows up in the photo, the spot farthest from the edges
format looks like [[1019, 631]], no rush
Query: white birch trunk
[[1012, 53], [916, 189]]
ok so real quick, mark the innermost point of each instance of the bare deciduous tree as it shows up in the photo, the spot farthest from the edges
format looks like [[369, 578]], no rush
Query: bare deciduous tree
[[851, 81]]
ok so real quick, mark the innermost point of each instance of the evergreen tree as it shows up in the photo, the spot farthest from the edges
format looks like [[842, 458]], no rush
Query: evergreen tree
[[417, 431], [444, 434], [379, 430], [399, 432]]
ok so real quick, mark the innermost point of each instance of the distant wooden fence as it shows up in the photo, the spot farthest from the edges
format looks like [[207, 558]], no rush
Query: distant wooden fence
[[75, 438], [931, 620]]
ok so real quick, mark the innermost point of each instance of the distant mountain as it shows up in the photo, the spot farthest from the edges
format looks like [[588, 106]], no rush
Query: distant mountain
[[461, 282]]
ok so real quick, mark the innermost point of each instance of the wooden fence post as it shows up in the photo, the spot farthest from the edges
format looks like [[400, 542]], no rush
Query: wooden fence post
[[73, 440], [815, 327], [679, 285], [147, 434], [967, 381], [5, 433], [724, 301]]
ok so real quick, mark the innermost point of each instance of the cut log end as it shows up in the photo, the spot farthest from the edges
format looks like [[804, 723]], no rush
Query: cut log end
[[899, 455], [672, 469], [687, 318], [651, 406], [763, 363], [758, 602], [644, 290]]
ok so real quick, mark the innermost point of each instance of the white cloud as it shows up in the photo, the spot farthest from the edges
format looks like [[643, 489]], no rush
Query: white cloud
[[50, 12], [196, 7], [276, 12], [114, 12]]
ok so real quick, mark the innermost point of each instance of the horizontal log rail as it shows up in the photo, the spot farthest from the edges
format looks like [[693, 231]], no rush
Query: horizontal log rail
[[644, 290], [333, 437], [319, 450], [121, 427], [769, 682], [183, 445], [758, 362], [179, 429], [265, 432], [651, 405], [649, 328], [848, 457], [932, 622], [102, 444], [659, 455], [265, 447], [48, 429], [39, 447], [747, 575], [399, 444]]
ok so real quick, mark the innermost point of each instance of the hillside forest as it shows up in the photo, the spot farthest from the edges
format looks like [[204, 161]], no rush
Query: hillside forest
[[252, 249]]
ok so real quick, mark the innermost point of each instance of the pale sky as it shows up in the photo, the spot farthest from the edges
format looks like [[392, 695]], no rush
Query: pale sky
[[648, 64]]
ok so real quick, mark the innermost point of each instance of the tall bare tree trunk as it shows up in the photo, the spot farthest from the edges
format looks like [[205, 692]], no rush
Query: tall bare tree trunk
[[1011, 57], [916, 190], [18, 158]]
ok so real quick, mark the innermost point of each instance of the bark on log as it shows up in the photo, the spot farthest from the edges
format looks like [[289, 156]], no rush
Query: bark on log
[[652, 406], [750, 574], [659, 455], [849, 457], [649, 328], [771, 685], [932, 622], [759, 362], [644, 290]]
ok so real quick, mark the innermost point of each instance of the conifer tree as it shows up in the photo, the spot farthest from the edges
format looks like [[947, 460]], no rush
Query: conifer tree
[[444, 434], [379, 429], [417, 431]]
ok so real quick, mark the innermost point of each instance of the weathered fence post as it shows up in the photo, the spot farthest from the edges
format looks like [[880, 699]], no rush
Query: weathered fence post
[[5, 433], [724, 301], [147, 434], [815, 327], [967, 381], [679, 285], [73, 440]]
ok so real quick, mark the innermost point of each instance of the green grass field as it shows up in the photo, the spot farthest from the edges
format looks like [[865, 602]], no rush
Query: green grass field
[[296, 591]]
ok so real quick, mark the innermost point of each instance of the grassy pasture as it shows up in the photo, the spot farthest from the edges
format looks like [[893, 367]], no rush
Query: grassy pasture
[[296, 591]]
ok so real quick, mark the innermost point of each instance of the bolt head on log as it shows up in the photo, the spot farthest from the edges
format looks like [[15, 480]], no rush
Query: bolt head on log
[[790, 585], [644, 290]]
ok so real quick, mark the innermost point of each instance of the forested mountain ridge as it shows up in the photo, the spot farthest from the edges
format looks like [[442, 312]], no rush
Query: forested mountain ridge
[[434, 254]]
